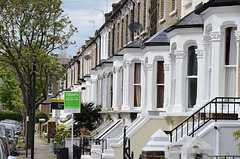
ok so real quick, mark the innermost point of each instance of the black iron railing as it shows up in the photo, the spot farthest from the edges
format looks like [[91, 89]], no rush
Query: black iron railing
[[126, 146], [86, 144], [226, 157], [220, 108]]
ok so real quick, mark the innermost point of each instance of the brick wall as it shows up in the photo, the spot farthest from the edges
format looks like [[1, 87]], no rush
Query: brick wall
[[153, 155], [169, 19], [51, 130], [45, 108]]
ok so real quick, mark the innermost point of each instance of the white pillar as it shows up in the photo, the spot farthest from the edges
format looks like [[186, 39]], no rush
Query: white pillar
[[100, 79], [150, 87], [206, 70], [200, 77], [127, 88], [167, 82], [215, 79], [117, 86], [178, 107], [94, 91], [105, 92], [237, 34], [88, 90]]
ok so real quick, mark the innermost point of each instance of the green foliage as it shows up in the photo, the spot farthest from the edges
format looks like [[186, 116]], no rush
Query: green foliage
[[39, 115], [67, 118], [10, 115], [236, 135], [10, 92], [89, 117], [62, 132], [31, 30]]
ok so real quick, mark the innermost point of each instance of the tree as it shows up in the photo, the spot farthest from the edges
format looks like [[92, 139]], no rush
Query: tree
[[89, 117], [10, 92], [30, 30]]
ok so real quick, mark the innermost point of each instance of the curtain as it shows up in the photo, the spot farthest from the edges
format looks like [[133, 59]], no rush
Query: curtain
[[137, 85], [230, 72]]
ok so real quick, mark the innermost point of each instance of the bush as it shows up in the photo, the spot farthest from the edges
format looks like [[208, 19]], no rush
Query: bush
[[39, 115], [10, 115], [62, 132], [89, 118]]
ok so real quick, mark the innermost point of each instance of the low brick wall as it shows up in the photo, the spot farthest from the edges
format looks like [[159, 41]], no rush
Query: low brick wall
[[153, 155]]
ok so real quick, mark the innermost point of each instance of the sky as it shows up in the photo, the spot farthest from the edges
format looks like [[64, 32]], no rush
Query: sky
[[87, 16]]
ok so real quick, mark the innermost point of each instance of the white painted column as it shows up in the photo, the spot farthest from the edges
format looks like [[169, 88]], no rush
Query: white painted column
[[167, 82], [215, 79], [94, 91], [126, 119], [150, 87], [88, 90], [117, 84], [237, 34], [104, 91], [127, 86], [200, 77], [178, 107], [99, 90], [206, 70]]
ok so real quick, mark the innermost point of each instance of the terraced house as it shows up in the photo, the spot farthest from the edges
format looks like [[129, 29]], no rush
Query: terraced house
[[178, 60]]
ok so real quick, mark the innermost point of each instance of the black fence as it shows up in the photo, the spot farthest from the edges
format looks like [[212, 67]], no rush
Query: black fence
[[226, 157], [220, 108], [86, 144]]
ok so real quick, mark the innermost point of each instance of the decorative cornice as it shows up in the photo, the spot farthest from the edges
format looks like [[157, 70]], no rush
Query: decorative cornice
[[100, 77], [237, 34], [215, 35], [206, 39], [127, 63], [166, 66], [105, 75], [199, 53], [116, 69], [179, 54], [171, 55], [149, 67]]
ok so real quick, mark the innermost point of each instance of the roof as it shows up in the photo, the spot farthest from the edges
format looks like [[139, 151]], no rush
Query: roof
[[215, 3], [191, 20], [159, 39], [135, 44]]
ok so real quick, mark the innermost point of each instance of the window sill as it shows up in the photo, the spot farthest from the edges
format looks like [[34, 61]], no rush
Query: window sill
[[173, 12], [187, 3], [162, 20]]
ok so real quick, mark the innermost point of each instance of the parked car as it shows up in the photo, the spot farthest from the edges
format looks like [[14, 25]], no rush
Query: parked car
[[13, 138], [16, 123], [5, 143], [3, 153]]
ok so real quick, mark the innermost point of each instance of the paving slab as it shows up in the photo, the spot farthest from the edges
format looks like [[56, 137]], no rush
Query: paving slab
[[41, 150]]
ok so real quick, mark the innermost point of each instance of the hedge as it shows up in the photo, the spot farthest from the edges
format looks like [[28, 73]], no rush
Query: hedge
[[10, 115], [39, 115]]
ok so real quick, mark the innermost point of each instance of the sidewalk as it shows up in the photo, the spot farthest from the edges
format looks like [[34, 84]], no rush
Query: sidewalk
[[41, 150]]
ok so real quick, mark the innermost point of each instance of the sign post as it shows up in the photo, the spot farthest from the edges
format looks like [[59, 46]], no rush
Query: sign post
[[72, 104]]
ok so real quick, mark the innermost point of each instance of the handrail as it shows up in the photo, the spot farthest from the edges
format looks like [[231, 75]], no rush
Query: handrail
[[215, 109], [109, 129]]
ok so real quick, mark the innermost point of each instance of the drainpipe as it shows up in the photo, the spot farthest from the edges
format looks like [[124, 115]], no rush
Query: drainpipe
[[100, 47], [217, 128], [113, 34], [133, 14]]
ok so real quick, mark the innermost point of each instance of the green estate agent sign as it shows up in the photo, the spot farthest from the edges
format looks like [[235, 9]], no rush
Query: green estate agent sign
[[72, 102]]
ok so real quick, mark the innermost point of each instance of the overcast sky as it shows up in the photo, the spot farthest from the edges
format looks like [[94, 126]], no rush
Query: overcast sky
[[85, 15]]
